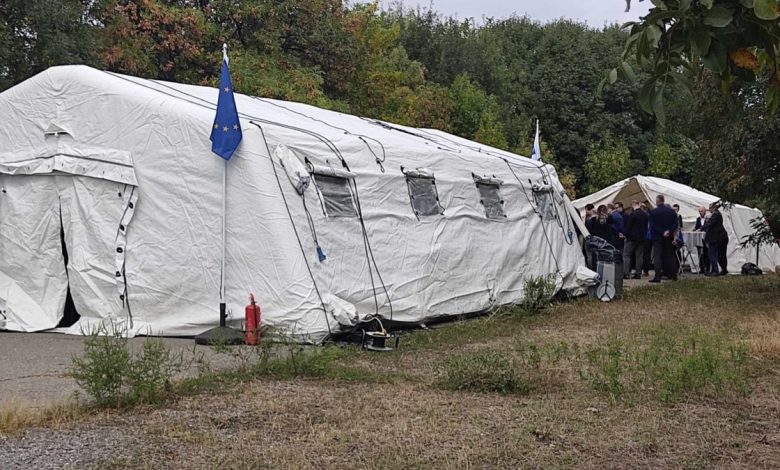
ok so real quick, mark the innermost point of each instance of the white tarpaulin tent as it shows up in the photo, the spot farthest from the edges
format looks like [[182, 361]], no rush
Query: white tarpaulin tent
[[117, 174], [736, 218]]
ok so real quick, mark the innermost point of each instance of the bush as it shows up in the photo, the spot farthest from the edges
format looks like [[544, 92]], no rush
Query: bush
[[113, 375], [539, 293], [481, 371]]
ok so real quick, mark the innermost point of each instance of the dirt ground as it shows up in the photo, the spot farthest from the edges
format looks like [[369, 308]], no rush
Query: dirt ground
[[375, 411]]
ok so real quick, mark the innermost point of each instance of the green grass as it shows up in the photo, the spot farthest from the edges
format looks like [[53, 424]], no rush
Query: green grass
[[482, 371], [670, 363]]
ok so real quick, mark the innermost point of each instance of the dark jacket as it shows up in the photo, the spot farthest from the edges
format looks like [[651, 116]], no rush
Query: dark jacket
[[699, 223], [716, 232], [636, 226], [618, 224], [600, 230], [662, 219]]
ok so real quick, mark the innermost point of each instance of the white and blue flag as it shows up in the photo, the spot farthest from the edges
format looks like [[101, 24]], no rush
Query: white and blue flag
[[536, 153]]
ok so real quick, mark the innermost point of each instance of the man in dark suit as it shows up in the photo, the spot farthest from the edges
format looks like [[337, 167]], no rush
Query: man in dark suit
[[717, 240], [663, 224], [635, 235], [617, 225], [704, 256]]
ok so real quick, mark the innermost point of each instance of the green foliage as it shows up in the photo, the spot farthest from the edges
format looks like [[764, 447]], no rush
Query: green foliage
[[113, 375], [735, 39], [538, 294], [102, 370], [606, 164], [675, 364], [151, 371], [481, 371], [472, 106], [490, 131], [36, 34], [737, 154], [663, 161], [488, 82], [273, 78]]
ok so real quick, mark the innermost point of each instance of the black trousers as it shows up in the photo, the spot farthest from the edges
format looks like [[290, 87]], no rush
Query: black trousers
[[664, 259], [647, 255], [704, 259], [717, 252]]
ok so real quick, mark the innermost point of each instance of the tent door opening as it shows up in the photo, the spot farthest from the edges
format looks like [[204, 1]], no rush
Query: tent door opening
[[70, 315], [92, 214]]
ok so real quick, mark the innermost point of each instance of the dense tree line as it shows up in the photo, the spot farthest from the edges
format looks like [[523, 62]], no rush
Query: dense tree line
[[487, 82]]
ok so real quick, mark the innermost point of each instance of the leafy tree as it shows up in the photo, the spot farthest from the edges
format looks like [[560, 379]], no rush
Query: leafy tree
[[37, 34], [153, 38], [734, 39], [490, 131], [471, 103], [261, 75], [607, 163], [569, 183], [663, 161], [737, 154]]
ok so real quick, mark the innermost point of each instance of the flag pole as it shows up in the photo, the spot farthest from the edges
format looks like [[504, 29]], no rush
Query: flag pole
[[225, 138], [222, 304]]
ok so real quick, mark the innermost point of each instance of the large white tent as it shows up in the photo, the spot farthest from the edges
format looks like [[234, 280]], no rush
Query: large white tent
[[737, 218], [115, 174]]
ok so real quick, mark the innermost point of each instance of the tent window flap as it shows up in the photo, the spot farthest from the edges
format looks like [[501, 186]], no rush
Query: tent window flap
[[423, 195], [336, 196], [491, 201]]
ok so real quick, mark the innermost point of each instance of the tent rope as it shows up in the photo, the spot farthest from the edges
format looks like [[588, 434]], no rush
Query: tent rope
[[295, 229], [541, 219]]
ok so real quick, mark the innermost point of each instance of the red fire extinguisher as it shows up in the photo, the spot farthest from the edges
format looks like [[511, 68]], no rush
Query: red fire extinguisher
[[252, 321]]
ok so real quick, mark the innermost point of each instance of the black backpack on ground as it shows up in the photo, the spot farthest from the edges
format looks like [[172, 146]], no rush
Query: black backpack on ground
[[750, 269]]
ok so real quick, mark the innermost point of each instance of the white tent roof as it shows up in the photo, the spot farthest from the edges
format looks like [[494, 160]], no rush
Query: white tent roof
[[737, 218], [120, 169]]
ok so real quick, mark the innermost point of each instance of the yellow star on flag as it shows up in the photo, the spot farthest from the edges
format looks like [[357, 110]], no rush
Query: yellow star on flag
[[227, 90], [216, 126], [235, 126], [225, 129]]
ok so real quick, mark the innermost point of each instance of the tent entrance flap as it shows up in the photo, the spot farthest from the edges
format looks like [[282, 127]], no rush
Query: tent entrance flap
[[68, 234]]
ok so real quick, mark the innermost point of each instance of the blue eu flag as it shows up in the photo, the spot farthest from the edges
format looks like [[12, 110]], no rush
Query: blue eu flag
[[226, 132]]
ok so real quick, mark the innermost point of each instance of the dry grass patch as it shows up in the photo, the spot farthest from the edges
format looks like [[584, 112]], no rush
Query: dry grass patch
[[764, 336], [315, 424], [17, 414]]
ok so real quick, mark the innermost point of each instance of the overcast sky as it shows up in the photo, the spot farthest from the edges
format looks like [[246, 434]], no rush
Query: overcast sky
[[595, 12]]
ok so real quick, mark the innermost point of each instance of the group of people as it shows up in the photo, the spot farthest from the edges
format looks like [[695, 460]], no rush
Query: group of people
[[639, 231]]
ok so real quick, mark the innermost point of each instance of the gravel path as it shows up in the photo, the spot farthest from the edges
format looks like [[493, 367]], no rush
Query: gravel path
[[45, 449]]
